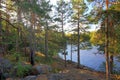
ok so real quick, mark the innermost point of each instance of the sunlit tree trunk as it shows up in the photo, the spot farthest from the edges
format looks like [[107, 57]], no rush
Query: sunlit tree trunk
[[107, 45], [107, 52]]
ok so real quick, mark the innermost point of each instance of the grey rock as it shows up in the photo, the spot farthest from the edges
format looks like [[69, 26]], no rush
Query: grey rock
[[14, 79], [5, 67], [4, 63], [42, 77], [90, 79], [55, 77], [43, 69], [30, 78]]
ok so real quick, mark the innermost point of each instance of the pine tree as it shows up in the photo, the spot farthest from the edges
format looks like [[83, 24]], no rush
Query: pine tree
[[63, 12], [79, 8], [0, 28]]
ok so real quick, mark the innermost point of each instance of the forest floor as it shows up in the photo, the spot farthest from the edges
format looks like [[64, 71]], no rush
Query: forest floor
[[71, 72]]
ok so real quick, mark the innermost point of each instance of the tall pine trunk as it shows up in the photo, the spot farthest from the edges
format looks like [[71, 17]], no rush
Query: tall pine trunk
[[78, 41], [111, 64], [32, 39], [7, 32], [107, 44], [71, 48], [64, 42], [46, 40], [18, 31], [0, 31], [107, 52]]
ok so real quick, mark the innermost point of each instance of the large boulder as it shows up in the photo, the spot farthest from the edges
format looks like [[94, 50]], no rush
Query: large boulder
[[55, 77], [9, 79], [42, 69], [30, 78], [41, 77], [14, 79], [5, 67]]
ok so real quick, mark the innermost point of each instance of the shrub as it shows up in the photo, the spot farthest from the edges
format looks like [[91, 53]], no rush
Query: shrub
[[23, 69], [37, 59]]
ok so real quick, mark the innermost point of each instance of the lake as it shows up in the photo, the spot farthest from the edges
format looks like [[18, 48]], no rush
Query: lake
[[90, 58]]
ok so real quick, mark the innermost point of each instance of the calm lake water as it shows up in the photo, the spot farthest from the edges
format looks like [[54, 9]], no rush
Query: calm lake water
[[89, 58]]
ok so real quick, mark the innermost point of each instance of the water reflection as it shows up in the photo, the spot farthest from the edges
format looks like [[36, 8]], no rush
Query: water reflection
[[89, 58]]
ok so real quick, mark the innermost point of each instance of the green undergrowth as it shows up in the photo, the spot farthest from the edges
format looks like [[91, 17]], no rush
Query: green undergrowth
[[44, 60], [22, 69]]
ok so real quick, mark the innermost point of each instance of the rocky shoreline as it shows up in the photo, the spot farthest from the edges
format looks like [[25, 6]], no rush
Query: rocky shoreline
[[71, 72]]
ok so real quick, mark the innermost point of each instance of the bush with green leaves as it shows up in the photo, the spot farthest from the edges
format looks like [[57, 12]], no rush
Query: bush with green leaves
[[23, 69]]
